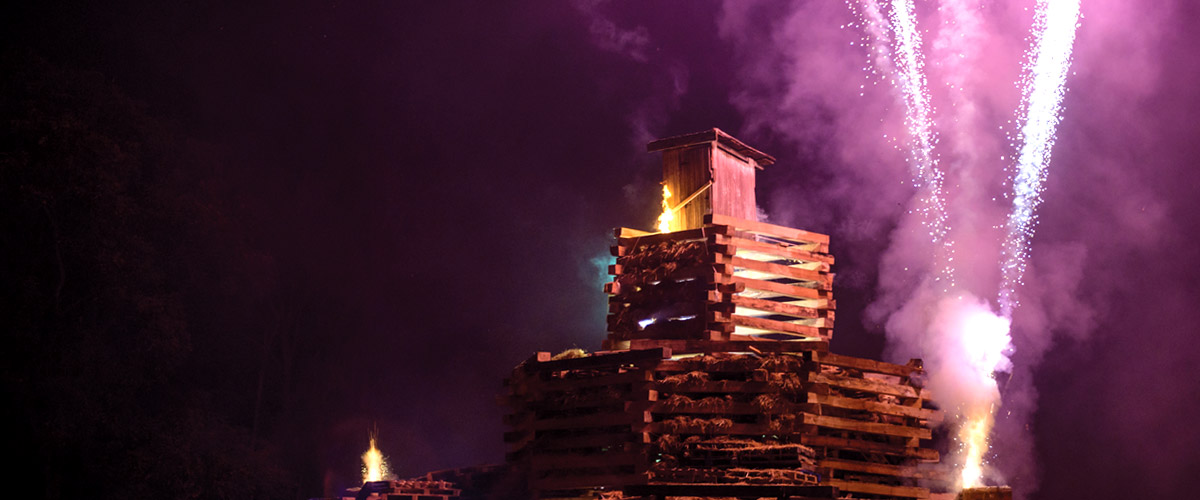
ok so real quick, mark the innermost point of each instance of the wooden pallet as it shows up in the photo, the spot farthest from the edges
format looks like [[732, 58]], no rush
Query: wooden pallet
[[732, 279]]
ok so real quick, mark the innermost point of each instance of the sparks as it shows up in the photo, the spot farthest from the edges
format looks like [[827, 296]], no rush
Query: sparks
[[1044, 82], [903, 59], [893, 44]]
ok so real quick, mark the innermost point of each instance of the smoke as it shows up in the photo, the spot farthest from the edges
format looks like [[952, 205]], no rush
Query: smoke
[[664, 82], [812, 73]]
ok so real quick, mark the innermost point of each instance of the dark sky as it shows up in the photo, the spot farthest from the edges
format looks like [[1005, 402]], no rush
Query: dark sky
[[436, 184]]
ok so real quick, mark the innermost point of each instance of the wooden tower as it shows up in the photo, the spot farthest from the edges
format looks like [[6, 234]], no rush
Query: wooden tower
[[715, 379]]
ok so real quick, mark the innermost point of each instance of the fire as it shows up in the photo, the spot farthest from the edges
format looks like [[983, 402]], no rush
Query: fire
[[668, 215], [984, 338], [974, 436], [375, 468]]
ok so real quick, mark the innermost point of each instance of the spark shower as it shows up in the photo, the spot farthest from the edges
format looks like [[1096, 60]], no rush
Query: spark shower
[[971, 334]]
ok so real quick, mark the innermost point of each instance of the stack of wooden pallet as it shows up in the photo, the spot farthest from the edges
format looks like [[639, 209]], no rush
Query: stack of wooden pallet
[[870, 418], [579, 423], [404, 489], [730, 280], [986, 493], [647, 422]]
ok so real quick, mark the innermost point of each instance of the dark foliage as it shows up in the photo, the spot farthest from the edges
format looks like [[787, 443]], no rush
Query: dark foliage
[[105, 212]]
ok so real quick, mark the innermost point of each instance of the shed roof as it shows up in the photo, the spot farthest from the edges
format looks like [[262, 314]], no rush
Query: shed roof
[[712, 135]]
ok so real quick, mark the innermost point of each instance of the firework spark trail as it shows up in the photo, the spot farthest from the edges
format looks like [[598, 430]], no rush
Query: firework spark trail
[[1044, 84], [878, 38], [901, 57], [910, 78], [975, 345]]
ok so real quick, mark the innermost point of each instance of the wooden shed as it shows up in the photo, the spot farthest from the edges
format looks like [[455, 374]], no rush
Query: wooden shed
[[709, 172]]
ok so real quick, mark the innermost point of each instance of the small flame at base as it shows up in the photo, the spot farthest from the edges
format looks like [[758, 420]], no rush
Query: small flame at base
[[374, 466], [974, 436], [976, 344]]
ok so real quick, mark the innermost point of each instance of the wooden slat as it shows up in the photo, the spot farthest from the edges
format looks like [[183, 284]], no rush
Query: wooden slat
[[781, 308], [859, 384], [629, 239], [780, 232], [778, 249], [799, 292], [866, 365], [874, 406], [732, 430], [880, 489], [780, 326], [793, 492], [823, 280], [869, 446], [737, 345], [715, 386], [871, 427], [602, 360], [910, 471], [537, 387], [732, 408]]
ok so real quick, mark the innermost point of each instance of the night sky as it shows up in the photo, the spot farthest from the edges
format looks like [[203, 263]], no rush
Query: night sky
[[238, 236]]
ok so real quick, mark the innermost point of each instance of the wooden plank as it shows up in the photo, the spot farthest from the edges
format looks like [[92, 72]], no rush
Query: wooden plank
[[608, 360], [781, 308], [847, 424], [859, 384], [874, 406], [628, 232], [777, 249], [731, 408], [538, 387], [735, 346], [869, 446], [823, 280], [793, 492], [880, 489], [781, 232], [714, 386], [732, 430], [780, 326], [629, 239], [799, 292], [909, 471], [866, 365]]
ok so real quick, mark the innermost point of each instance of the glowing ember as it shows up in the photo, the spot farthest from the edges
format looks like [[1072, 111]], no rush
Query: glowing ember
[[374, 466], [668, 215]]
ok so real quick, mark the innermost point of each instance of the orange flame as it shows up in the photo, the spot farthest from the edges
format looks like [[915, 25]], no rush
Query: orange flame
[[668, 215], [374, 466]]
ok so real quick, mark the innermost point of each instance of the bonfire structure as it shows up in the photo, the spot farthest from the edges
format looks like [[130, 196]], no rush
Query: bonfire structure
[[715, 378]]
